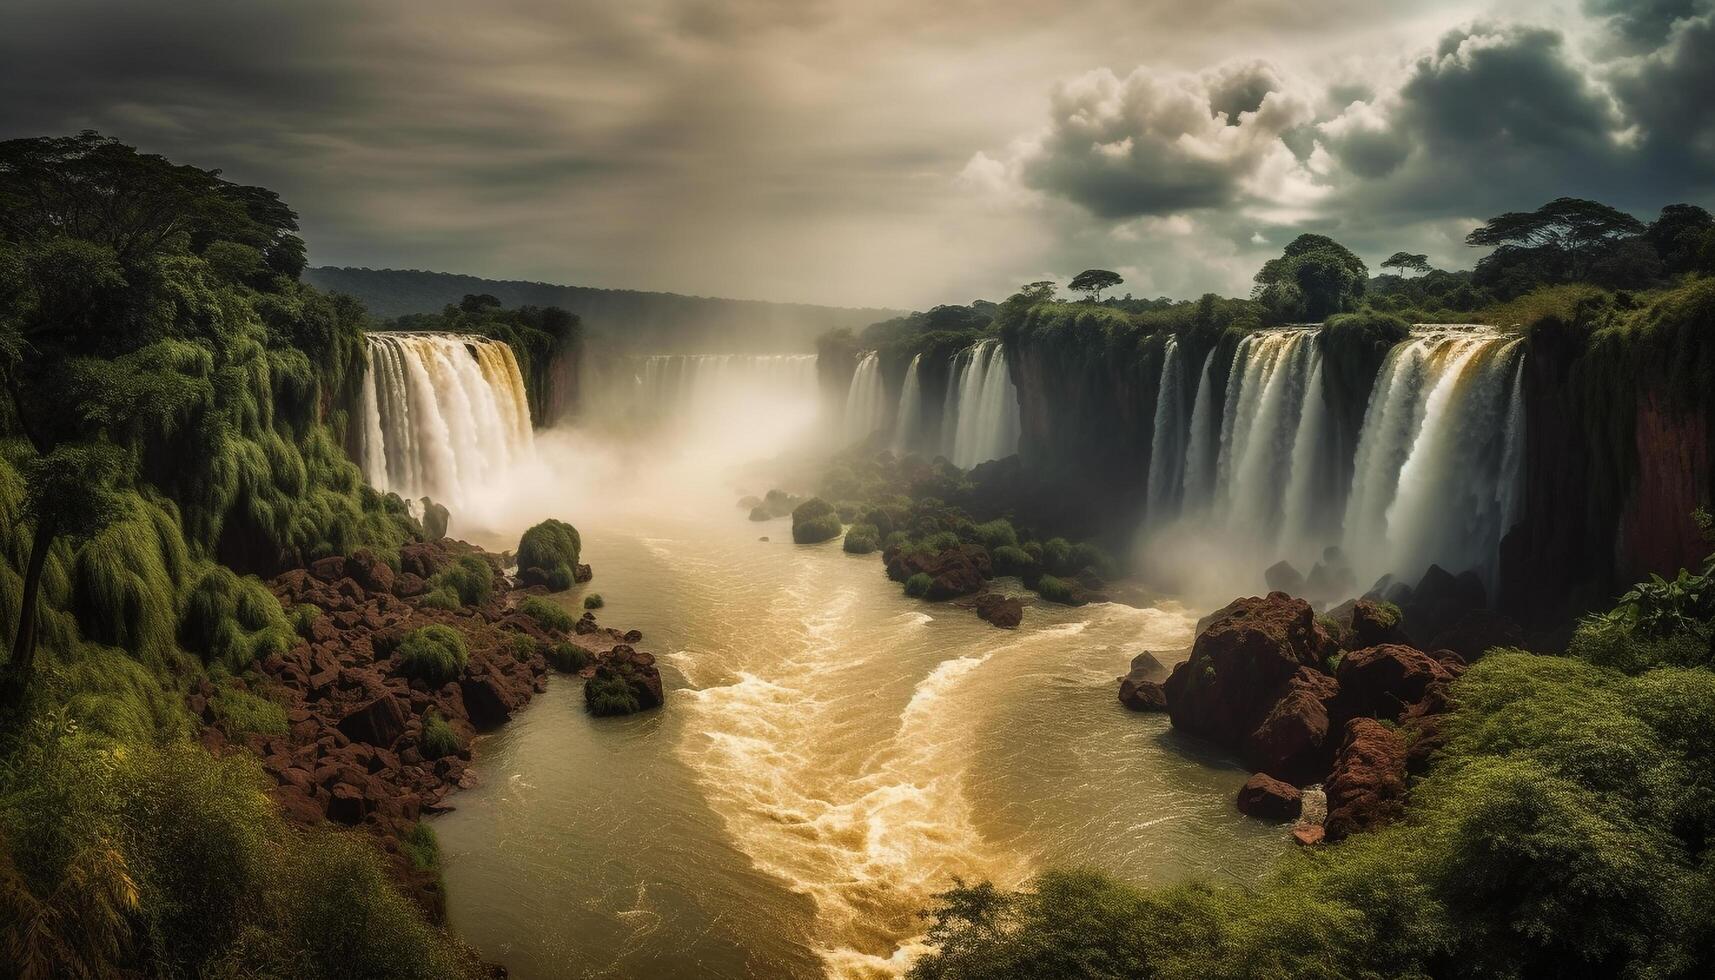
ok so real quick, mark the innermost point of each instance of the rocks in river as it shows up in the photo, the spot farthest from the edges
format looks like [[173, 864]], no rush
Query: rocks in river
[[379, 722], [623, 682], [1146, 666], [1142, 695], [999, 610], [1267, 798], [1366, 788], [1308, 834], [1292, 741], [1382, 681], [960, 570]]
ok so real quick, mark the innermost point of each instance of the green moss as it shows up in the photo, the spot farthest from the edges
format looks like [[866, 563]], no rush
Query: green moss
[[232, 622], [438, 740], [548, 615], [469, 577], [520, 646], [1011, 560], [569, 657], [593, 601], [245, 713], [813, 521], [1059, 590], [435, 654], [444, 598], [860, 539], [608, 693], [917, 586], [548, 554]]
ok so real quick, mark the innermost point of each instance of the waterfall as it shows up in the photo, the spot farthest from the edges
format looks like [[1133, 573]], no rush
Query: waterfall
[[443, 415], [1266, 396], [982, 403], [1200, 442], [910, 415], [1440, 454], [866, 406], [1167, 454]]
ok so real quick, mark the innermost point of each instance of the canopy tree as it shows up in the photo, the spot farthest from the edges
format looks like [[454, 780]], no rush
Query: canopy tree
[[1314, 278], [1093, 281], [1407, 262]]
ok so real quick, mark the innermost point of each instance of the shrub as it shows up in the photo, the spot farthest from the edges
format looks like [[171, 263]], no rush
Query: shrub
[[996, 534], [896, 539], [1059, 590], [594, 601], [569, 657], [520, 646], [1057, 557], [814, 520], [435, 654], [303, 618], [442, 598], [608, 693], [246, 713], [860, 539], [548, 555], [1010, 560], [847, 510], [917, 586], [470, 579], [438, 740], [547, 614], [233, 621]]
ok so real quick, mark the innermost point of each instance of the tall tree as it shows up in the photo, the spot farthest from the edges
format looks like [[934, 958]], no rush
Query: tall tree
[[1407, 262], [1314, 278], [1567, 232], [1093, 281], [1678, 236]]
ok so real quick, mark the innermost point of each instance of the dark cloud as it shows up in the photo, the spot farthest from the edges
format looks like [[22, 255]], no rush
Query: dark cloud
[[1644, 24]]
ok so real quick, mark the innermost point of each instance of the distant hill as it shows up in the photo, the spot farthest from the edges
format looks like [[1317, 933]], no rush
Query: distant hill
[[624, 319]]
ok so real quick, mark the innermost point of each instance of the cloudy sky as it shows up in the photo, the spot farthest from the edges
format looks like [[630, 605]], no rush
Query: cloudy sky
[[885, 152]]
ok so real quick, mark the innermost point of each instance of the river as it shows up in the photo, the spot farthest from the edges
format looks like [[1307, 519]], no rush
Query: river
[[831, 754]]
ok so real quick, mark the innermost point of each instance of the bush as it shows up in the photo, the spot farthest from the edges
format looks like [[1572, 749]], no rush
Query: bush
[[439, 740], [245, 713], [814, 520], [608, 693], [1010, 560], [547, 614], [917, 586], [435, 654], [1059, 590], [470, 579], [303, 618], [569, 657], [860, 539], [1057, 557], [233, 621], [996, 534], [520, 646], [548, 555], [422, 848], [594, 601], [443, 598]]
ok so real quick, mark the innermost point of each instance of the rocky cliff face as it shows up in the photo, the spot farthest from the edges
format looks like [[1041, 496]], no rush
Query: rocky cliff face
[[1656, 532]]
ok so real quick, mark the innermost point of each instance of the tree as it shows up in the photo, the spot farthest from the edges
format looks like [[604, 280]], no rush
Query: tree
[[1555, 243], [1093, 281], [1314, 278], [1678, 236], [1407, 262]]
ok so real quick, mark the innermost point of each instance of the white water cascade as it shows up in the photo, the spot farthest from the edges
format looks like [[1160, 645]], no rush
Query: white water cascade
[[1440, 456], [443, 415], [909, 418], [866, 400], [1268, 390], [1167, 456], [980, 421], [731, 406]]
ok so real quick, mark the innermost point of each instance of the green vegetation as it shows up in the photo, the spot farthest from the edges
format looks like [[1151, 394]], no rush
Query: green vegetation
[[1059, 590], [548, 555], [539, 336], [246, 713], [917, 586], [468, 581], [549, 615], [1564, 830], [1314, 278], [439, 740], [593, 601], [861, 539], [814, 520], [520, 646], [569, 657], [609, 693], [434, 654]]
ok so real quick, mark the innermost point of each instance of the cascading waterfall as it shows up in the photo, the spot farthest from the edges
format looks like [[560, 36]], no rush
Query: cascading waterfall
[[1436, 473], [443, 415], [1440, 454], [1167, 456], [910, 416], [866, 405], [981, 418]]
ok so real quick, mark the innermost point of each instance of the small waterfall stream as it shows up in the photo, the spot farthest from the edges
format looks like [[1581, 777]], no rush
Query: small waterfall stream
[[443, 414], [910, 415], [980, 422], [866, 400]]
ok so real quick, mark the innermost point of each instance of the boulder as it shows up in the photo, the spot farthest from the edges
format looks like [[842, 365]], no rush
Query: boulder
[[1366, 787], [1373, 624], [378, 722], [1292, 741], [1282, 577], [956, 571], [1476, 633], [1142, 695], [485, 701], [1382, 681], [999, 610], [369, 571], [329, 569], [1146, 666], [1267, 798], [1242, 664], [1308, 834], [348, 804]]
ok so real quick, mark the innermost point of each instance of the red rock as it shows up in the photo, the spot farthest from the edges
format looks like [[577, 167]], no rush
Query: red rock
[[1267, 798], [1366, 788], [1141, 695], [485, 702], [369, 571], [1291, 743], [378, 722], [1308, 834], [1381, 682], [1373, 625], [330, 569], [999, 610], [348, 805]]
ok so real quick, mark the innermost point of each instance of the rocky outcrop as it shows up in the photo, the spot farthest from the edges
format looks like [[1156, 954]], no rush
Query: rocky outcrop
[[1141, 695], [1383, 681], [999, 610], [1266, 798], [1366, 787], [960, 570]]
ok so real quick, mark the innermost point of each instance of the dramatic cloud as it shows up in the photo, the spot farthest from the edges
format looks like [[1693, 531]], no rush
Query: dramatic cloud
[[889, 152]]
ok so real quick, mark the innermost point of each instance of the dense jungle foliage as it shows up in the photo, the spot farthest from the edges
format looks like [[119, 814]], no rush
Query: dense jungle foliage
[[168, 432]]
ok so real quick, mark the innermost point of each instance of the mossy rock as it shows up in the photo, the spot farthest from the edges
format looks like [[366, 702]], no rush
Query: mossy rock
[[548, 555], [434, 654], [815, 520]]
